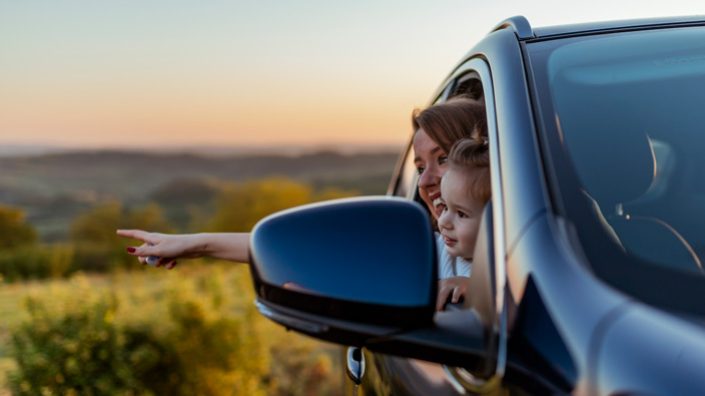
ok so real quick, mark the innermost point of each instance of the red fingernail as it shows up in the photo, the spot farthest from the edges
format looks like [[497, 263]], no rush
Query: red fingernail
[[130, 250]]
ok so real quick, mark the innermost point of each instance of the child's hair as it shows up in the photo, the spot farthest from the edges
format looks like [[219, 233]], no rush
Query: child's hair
[[457, 118], [472, 156]]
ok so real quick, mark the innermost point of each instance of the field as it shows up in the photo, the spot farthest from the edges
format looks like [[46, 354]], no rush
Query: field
[[302, 365], [79, 316]]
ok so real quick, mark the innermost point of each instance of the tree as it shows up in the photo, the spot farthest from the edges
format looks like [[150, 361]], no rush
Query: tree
[[98, 225], [93, 235], [239, 207], [14, 230]]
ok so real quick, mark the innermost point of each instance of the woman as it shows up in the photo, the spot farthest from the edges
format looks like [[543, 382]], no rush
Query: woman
[[436, 129]]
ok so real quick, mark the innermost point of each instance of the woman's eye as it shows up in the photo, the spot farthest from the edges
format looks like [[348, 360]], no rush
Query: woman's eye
[[420, 170], [443, 207], [442, 159]]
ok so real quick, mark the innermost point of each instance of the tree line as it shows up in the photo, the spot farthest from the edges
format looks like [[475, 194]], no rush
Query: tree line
[[93, 247]]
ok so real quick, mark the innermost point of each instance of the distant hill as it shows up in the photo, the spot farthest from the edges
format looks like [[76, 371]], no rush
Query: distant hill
[[53, 188]]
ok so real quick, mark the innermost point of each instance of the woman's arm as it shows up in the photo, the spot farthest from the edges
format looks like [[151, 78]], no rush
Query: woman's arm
[[170, 247]]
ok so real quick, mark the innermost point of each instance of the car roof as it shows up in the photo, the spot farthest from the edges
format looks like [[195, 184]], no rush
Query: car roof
[[525, 31]]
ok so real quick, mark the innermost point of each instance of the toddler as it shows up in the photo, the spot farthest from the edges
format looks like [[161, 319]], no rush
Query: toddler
[[465, 189]]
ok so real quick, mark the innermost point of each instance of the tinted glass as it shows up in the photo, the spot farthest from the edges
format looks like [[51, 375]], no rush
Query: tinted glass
[[367, 250], [623, 116]]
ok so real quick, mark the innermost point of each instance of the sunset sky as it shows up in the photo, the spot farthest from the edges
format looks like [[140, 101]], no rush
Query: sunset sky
[[160, 73]]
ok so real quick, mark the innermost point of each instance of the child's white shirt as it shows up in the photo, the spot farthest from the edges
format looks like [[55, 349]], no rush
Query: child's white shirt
[[449, 266]]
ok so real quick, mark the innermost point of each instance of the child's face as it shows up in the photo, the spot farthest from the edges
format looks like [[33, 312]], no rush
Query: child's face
[[459, 222]]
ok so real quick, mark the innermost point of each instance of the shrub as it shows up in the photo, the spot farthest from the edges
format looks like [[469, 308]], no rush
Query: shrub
[[79, 346], [194, 331], [36, 262], [14, 231]]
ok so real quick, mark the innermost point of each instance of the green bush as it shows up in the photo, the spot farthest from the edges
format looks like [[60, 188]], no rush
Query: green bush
[[79, 352], [62, 260], [79, 347], [191, 331], [101, 258], [36, 262], [14, 230]]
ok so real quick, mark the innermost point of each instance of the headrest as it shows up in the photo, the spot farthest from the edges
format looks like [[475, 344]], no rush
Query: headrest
[[615, 164]]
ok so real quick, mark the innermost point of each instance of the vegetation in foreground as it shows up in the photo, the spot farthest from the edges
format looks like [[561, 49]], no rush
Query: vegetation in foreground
[[82, 317], [79, 316], [193, 330]]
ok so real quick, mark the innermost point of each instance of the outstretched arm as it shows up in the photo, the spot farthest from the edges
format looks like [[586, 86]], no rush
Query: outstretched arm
[[170, 247]]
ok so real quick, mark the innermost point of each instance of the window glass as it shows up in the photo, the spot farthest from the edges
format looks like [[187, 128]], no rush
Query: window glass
[[624, 113], [408, 177]]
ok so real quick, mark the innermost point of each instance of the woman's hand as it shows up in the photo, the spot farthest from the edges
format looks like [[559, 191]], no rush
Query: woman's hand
[[166, 248], [455, 287], [232, 246]]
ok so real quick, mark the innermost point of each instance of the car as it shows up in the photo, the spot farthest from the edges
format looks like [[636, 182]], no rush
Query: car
[[588, 272]]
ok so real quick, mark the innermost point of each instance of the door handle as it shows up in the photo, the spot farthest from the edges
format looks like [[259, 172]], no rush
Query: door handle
[[355, 361]]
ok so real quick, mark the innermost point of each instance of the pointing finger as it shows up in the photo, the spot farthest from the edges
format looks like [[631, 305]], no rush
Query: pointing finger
[[141, 235]]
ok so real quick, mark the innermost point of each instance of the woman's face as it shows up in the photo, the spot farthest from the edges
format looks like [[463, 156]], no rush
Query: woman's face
[[431, 164]]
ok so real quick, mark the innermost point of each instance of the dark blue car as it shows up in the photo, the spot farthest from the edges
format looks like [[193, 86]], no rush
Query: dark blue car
[[588, 274]]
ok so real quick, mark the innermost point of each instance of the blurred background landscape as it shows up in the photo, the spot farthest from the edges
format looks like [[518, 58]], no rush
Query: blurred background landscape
[[81, 316]]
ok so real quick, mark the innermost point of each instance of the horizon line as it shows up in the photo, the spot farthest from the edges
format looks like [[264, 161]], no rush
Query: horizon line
[[30, 149]]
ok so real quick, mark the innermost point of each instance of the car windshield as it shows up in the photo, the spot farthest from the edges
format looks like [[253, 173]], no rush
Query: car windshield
[[623, 120]]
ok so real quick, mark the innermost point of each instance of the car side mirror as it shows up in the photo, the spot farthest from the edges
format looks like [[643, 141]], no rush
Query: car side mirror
[[370, 260], [360, 272]]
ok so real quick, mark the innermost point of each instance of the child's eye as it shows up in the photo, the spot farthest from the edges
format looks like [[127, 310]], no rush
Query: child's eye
[[442, 159], [420, 169], [462, 215], [443, 207]]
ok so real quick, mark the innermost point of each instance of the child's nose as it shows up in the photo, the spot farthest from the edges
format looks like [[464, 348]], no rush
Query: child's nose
[[443, 220]]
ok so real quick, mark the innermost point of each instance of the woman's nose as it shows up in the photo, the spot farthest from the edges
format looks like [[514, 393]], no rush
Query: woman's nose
[[428, 178]]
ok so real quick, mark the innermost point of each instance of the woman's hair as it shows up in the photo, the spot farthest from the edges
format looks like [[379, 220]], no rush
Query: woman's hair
[[472, 157], [457, 118]]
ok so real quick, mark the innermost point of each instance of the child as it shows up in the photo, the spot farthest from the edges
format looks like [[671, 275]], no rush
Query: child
[[465, 189]]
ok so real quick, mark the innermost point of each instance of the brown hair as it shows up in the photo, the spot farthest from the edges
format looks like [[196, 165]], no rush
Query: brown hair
[[457, 118], [472, 156]]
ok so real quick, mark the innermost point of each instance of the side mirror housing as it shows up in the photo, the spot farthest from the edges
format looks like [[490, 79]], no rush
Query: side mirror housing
[[370, 260], [360, 272]]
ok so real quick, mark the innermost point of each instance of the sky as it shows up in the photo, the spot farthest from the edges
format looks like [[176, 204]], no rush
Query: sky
[[178, 73]]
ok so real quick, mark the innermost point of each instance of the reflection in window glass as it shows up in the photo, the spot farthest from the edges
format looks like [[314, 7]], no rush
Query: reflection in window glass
[[628, 108]]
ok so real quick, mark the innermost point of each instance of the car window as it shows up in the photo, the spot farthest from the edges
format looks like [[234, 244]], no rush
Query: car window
[[407, 177], [622, 115]]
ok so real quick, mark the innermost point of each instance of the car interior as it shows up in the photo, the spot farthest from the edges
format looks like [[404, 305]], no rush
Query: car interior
[[629, 125]]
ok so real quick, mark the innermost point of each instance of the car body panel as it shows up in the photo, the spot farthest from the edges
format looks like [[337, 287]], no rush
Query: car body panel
[[647, 351], [568, 330], [611, 26]]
